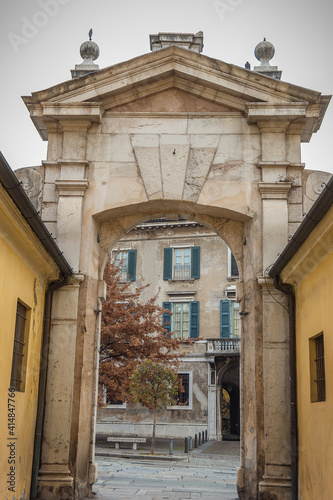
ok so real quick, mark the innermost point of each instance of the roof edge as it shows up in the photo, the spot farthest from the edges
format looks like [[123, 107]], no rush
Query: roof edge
[[316, 213], [16, 192]]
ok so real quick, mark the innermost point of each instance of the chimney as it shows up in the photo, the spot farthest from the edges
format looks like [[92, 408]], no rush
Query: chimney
[[189, 41]]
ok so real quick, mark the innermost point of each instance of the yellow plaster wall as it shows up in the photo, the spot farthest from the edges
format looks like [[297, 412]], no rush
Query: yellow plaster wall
[[18, 282], [314, 302]]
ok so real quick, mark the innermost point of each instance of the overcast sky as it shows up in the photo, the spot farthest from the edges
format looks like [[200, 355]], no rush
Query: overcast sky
[[40, 41]]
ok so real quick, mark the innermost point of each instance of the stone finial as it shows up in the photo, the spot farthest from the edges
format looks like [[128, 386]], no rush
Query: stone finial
[[264, 52], [89, 52], [189, 41]]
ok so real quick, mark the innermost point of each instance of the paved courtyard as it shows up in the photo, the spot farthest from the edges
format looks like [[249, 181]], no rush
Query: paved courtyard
[[205, 474]]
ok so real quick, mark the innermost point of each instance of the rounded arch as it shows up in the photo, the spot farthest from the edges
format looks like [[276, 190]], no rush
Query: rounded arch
[[114, 223]]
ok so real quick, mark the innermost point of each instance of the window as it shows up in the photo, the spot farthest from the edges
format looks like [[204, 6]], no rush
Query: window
[[184, 394], [181, 319], [111, 401], [317, 369], [184, 320], [232, 266], [20, 349], [126, 261], [229, 319], [181, 263], [184, 398]]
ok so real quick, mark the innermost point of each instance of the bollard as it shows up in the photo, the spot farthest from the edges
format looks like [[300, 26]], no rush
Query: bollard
[[205, 435], [195, 440], [186, 446], [190, 444], [171, 447], [199, 438]]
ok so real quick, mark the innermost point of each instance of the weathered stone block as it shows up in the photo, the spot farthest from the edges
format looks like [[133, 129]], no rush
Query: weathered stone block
[[49, 212], [295, 212], [174, 159]]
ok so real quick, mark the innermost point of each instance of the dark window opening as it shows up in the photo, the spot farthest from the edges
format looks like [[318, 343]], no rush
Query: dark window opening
[[234, 268], [19, 351], [320, 368], [184, 391]]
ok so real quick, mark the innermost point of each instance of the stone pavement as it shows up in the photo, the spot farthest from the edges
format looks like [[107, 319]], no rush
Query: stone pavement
[[208, 472]]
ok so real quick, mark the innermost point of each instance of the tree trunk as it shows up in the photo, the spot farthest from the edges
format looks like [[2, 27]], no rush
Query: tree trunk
[[152, 451]]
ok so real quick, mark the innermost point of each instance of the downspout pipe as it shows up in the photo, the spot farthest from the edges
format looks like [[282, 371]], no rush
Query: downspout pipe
[[289, 291], [42, 384]]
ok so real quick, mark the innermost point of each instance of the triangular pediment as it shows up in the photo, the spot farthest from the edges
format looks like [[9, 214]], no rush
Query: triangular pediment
[[172, 100], [192, 81]]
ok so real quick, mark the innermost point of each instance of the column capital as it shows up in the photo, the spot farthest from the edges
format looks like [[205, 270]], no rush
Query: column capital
[[266, 112], [72, 187], [274, 190]]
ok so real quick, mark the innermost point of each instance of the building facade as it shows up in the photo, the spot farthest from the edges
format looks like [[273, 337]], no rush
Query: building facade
[[173, 133], [306, 265], [195, 275], [27, 269]]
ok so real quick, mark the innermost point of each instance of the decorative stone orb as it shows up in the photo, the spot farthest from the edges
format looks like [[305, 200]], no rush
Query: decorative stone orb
[[264, 52], [89, 50]]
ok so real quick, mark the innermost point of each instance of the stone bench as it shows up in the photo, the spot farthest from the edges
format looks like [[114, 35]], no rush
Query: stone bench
[[118, 440]]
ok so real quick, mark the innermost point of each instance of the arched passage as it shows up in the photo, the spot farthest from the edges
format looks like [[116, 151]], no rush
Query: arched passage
[[206, 284]]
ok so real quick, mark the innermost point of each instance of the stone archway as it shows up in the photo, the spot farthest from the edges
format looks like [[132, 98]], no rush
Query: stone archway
[[225, 151]]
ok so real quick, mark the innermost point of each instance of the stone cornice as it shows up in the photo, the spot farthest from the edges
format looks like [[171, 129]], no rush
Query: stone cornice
[[273, 164], [265, 111], [274, 190], [72, 163], [72, 187], [244, 90]]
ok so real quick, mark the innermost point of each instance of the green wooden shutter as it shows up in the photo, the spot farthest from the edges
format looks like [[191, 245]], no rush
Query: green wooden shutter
[[167, 317], [225, 318], [194, 325], [167, 267], [195, 262], [131, 265]]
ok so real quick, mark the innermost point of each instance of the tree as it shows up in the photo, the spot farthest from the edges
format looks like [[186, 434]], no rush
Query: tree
[[154, 385], [131, 332]]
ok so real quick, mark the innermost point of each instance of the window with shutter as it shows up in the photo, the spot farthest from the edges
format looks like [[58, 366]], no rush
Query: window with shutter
[[225, 318], [131, 265], [167, 267], [195, 262], [194, 319], [125, 260], [167, 316], [181, 263]]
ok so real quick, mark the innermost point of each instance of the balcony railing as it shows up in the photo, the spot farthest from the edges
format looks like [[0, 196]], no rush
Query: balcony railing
[[231, 345], [182, 271]]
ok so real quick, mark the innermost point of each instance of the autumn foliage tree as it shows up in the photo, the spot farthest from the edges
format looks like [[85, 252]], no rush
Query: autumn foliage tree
[[154, 386], [131, 332]]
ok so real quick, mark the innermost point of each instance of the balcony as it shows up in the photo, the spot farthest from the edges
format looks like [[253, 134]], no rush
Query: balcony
[[223, 346], [182, 272]]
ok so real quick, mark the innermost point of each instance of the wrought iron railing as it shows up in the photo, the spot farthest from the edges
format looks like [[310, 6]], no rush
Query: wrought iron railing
[[182, 271], [223, 345]]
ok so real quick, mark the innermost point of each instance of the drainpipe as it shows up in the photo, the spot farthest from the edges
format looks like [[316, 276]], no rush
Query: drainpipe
[[42, 385], [289, 291]]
